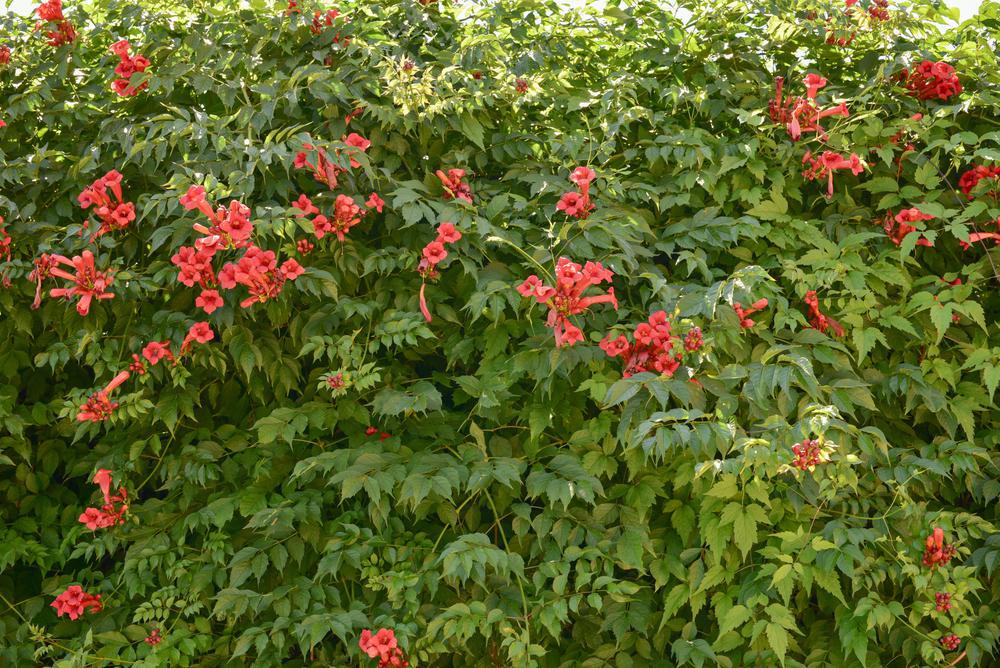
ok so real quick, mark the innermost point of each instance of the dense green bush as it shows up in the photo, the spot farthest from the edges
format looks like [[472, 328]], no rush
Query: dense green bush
[[330, 459]]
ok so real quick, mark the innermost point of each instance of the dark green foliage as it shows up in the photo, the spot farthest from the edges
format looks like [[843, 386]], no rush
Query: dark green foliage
[[530, 507]]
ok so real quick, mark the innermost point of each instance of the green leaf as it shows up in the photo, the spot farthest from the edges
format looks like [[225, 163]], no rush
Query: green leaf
[[630, 548], [941, 318], [473, 129], [773, 209], [736, 616], [777, 638], [745, 533]]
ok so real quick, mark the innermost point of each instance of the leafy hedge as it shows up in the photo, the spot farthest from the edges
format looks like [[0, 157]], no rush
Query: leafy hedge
[[752, 425]]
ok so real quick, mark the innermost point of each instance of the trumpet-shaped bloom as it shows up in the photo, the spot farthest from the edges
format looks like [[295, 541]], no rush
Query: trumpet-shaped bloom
[[88, 283], [74, 601], [566, 298]]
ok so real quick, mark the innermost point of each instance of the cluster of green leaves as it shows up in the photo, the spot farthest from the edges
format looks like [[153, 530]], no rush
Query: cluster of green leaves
[[528, 506]]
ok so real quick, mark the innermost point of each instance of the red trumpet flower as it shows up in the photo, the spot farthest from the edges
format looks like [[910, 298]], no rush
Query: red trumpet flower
[[127, 66], [113, 214], [99, 406], [930, 80], [826, 164], [433, 254], [818, 319], [936, 551], [653, 347], [746, 322], [807, 454], [112, 512], [75, 602], [88, 282], [566, 298], [801, 114], [971, 178], [898, 226], [454, 184], [382, 645]]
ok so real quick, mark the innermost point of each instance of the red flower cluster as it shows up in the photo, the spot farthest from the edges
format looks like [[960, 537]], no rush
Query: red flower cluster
[[127, 66], [88, 282], [818, 319], [433, 254], [156, 351], [154, 638], [113, 214], [4, 55], [942, 602], [321, 20], [435, 251], [99, 406], [50, 12], [5, 253], [652, 348], [75, 602], [521, 86], [936, 552], [800, 114], [744, 313], [950, 642], [693, 340], [806, 454], [826, 164], [372, 431], [835, 36], [566, 298], [578, 204], [258, 270], [195, 266], [137, 366], [898, 226], [324, 169], [383, 645], [112, 512], [930, 80], [200, 332], [454, 184], [5, 242], [375, 202], [304, 246], [971, 178], [357, 143], [346, 214], [878, 10], [230, 228]]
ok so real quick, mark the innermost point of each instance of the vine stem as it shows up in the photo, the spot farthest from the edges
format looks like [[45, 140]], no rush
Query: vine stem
[[958, 658], [520, 576], [159, 461], [13, 608], [457, 510], [496, 239]]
